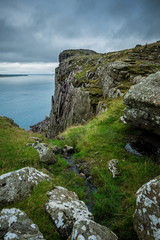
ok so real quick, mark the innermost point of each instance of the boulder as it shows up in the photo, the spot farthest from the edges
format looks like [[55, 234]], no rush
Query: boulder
[[143, 104], [15, 224], [147, 214], [46, 154], [68, 150], [18, 185], [90, 230], [65, 209], [113, 168], [56, 149]]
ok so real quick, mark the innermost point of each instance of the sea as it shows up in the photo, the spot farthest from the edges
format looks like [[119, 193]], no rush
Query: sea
[[26, 99]]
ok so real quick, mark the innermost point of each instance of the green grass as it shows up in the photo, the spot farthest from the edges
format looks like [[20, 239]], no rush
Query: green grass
[[99, 141], [15, 155]]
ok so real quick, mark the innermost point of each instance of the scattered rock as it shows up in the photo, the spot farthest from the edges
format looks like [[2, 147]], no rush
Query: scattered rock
[[143, 104], [68, 150], [30, 144], [46, 154], [89, 230], [59, 137], [113, 168], [56, 149], [101, 107], [115, 93], [147, 214], [18, 185], [65, 208], [36, 139], [15, 224], [122, 120], [137, 79]]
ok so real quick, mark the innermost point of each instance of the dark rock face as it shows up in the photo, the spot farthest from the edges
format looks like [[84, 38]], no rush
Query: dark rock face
[[70, 106], [18, 185], [143, 104], [147, 214], [41, 127], [15, 224]]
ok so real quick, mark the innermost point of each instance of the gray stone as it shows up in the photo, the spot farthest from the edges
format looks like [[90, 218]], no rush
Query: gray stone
[[65, 209], [101, 107], [113, 168], [46, 154], [147, 214], [114, 93], [15, 224], [36, 139], [89, 230], [138, 79], [56, 149], [143, 104], [68, 150], [18, 185]]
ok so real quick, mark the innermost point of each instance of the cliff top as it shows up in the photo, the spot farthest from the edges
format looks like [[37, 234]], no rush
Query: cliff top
[[72, 52]]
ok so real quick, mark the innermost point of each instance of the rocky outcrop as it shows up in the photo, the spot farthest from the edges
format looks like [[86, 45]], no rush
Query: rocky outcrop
[[79, 90], [18, 185], [90, 230], [111, 75], [72, 218], [147, 215], [143, 104], [15, 224]]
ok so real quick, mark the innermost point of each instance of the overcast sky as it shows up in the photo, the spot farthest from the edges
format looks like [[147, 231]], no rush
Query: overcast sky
[[36, 31]]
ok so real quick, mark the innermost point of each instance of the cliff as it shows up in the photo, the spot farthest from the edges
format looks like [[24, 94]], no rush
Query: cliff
[[86, 80]]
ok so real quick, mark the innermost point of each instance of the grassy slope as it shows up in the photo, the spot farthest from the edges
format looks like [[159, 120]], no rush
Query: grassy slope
[[99, 141]]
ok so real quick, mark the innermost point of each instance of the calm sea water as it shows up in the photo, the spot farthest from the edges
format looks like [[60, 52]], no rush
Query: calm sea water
[[26, 99]]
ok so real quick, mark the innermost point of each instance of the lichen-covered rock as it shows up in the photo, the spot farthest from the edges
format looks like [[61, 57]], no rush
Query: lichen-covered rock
[[65, 208], [56, 149], [18, 185], [15, 224], [143, 104], [113, 168], [46, 154], [111, 74], [147, 214], [90, 230]]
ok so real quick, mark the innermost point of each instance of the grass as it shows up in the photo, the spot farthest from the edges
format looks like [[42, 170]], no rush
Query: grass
[[15, 155], [99, 141]]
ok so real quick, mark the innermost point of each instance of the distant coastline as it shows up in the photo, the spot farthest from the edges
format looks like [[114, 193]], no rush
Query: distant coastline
[[12, 75]]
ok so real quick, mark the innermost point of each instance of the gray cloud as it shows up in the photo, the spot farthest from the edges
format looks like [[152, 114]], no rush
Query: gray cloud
[[38, 30]]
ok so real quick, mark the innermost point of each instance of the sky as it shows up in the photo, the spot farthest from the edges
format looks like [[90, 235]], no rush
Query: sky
[[34, 32]]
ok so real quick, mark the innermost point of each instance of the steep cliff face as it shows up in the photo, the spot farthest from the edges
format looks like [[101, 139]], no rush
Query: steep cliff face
[[85, 80]]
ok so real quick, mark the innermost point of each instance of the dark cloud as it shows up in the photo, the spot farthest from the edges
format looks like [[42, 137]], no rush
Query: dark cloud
[[37, 30]]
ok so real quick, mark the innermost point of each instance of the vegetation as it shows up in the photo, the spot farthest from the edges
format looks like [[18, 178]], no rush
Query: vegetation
[[103, 138]]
